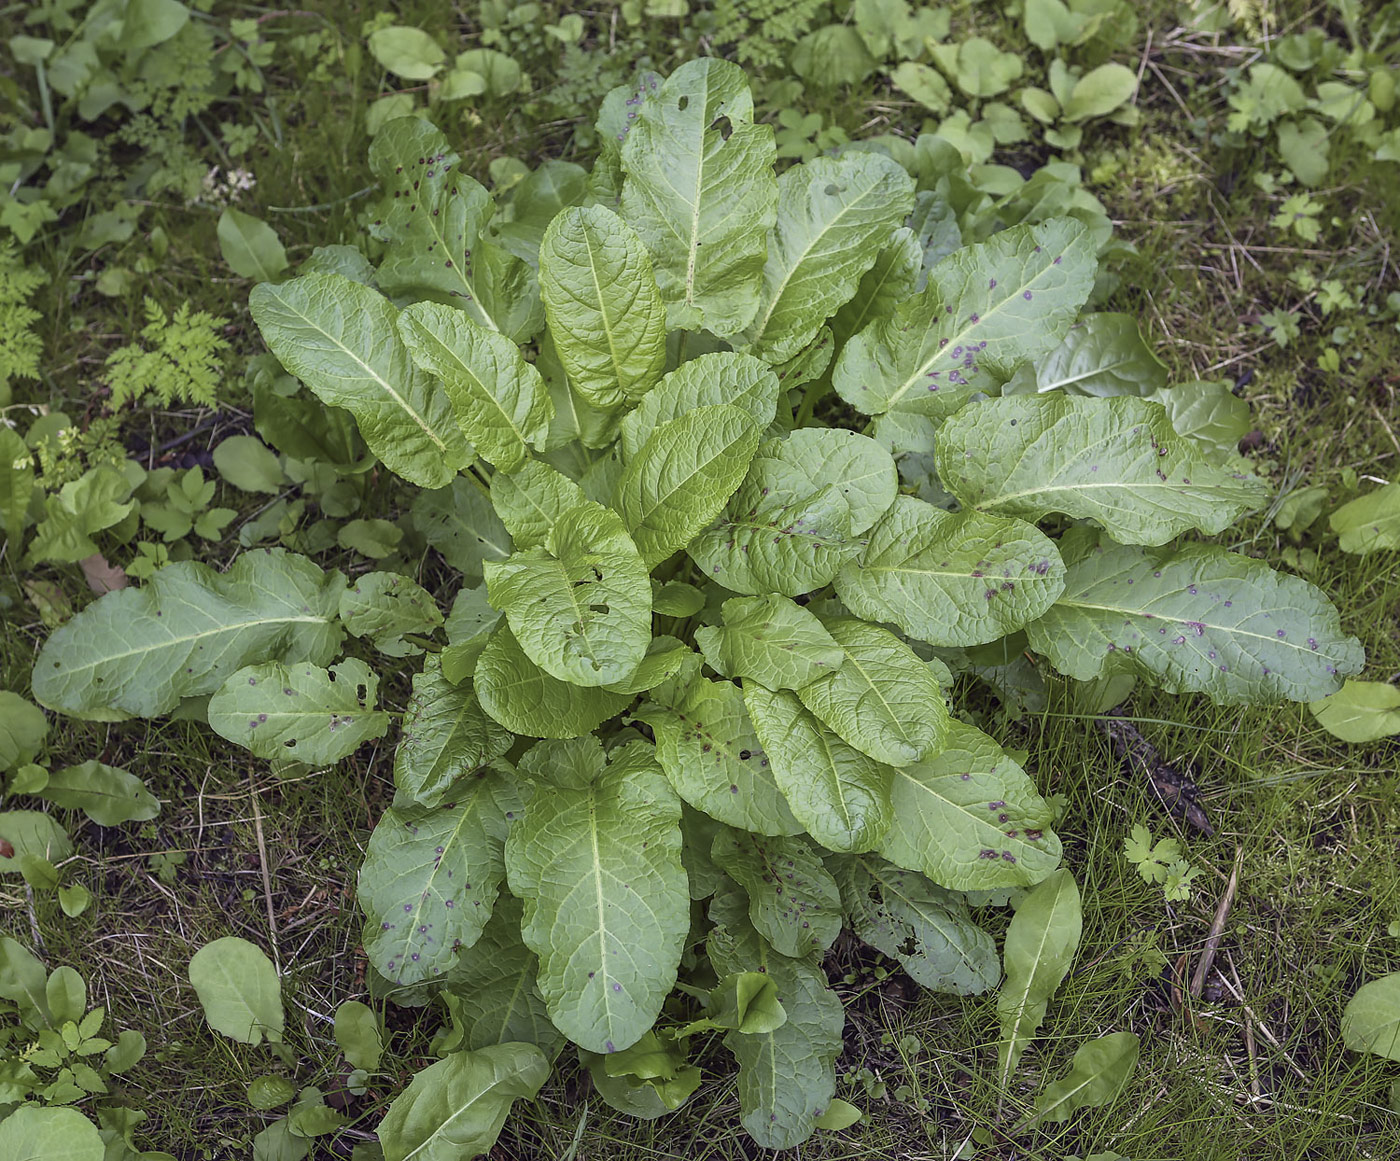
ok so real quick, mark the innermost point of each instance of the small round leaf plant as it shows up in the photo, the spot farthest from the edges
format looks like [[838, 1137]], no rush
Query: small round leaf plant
[[687, 714]]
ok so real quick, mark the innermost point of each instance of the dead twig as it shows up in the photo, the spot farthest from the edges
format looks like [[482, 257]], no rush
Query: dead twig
[[1217, 928]]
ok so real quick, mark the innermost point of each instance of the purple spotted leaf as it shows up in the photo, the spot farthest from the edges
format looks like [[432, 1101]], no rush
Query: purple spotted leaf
[[1197, 619], [302, 712], [987, 309], [431, 876], [793, 900]]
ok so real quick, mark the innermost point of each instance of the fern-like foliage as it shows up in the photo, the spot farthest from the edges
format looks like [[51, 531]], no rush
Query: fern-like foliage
[[20, 347], [179, 359], [764, 31]]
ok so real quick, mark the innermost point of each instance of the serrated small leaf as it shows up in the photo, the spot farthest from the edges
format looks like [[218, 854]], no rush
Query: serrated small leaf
[[793, 900], [431, 876], [384, 606], [527, 700], [948, 579], [1040, 946], [770, 640], [839, 794], [446, 735], [1197, 619], [303, 712], [1116, 461]]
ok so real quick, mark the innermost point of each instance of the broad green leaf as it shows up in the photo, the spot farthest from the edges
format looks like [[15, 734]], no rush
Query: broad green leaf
[[238, 989], [925, 928], [1197, 619], [461, 524], [580, 606], [1369, 523], [492, 990], [383, 606], [500, 400], [1116, 461], [23, 729], [359, 1035], [839, 794], [889, 281], [1209, 413], [683, 476], [535, 200], [303, 712], [469, 626], [433, 217], [924, 85], [250, 246], [32, 832], [531, 501], [456, 1107], [882, 698], [770, 640], [431, 876], [249, 465], [341, 339], [140, 651], [742, 1002], [969, 818], [644, 1098], [701, 193], [712, 756], [446, 735], [597, 866], [23, 979], [1040, 946], [1371, 1021], [32, 1133], [665, 658], [1102, 355], [860, 466], [604, 309], [786, 530], [950, 579], [106, 794], [1099, 91], [787, 1077], [406, 52], [709, 380], [834, 215], [676, 599], [1017, 293], [1361, 711], [97, 500], [527, 700], [1098, 1075], [793, 900]]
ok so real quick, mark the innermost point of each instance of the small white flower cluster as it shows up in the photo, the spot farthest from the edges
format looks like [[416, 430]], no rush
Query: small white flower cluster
[[223, 187]]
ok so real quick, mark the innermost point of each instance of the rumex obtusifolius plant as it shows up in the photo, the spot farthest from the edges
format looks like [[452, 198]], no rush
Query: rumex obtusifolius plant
[[691, 710]]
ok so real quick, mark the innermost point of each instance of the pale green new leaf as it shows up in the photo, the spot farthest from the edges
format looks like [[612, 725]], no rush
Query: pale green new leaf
[[140, 651], [708, 380], [891, 279], [492, 991], [787, 1077], [839, 794], [1116, 461], [531, 501], [665, 658], [1017, 293], [919, 924], [859, 465], [834, 215], [108, 795], [712, 756], [527, 700], [1361, 711], [455, 1108], [461, 524], [770, 640], [969, 818], [35, 1133], [1371, 1021], [446, 735], [302, 711], [238, 989], [250, 246], [500, 400], [1103, 354], [604, 309], [793, 900], [882, 699], [683, 475], [1369, 523], [433, 217], [700, 191], [1197, 619], [341, 339], [384, 606], [597, 866], [1040, 946], [948, 579], [431, 876], [1208, 413], [581, 605], [1099, 1073], [17, 481]]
